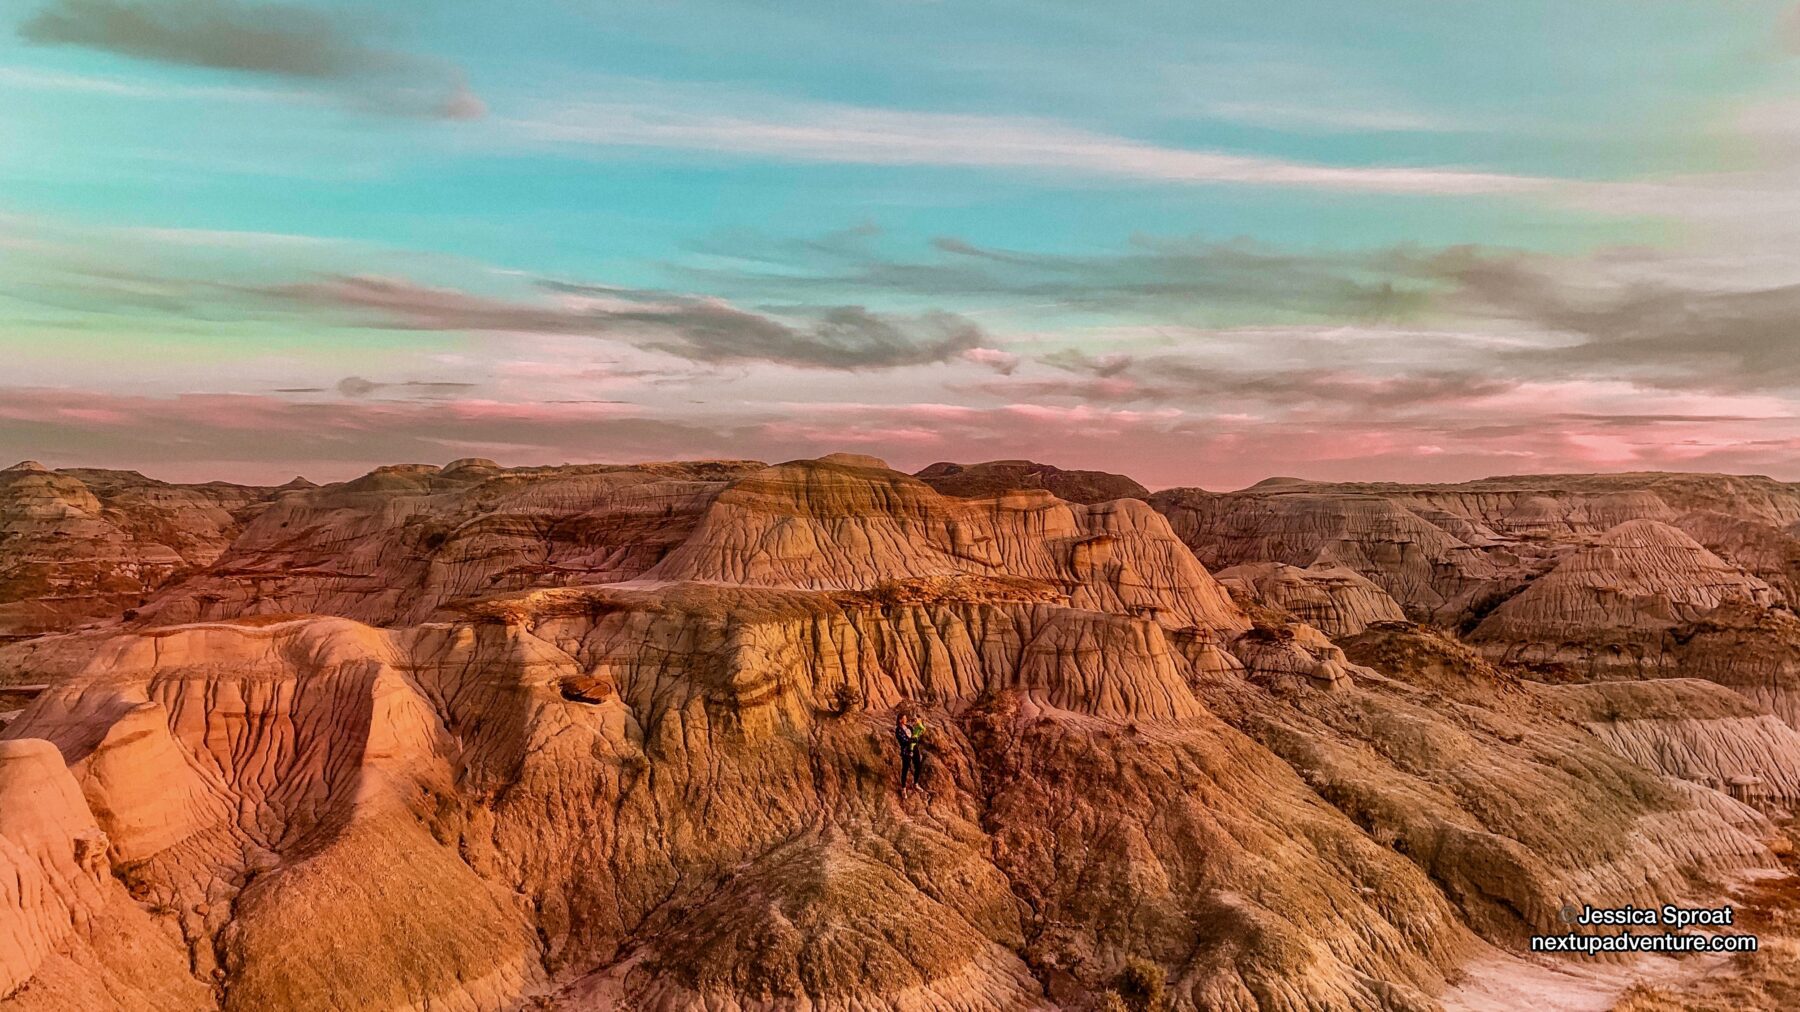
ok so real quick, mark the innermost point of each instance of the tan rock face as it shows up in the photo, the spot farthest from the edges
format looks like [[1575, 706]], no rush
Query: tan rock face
[[398, 544], [1431, 571], [1335, 599], [1636, 581], [70, 936], [472, 738], [1690, 729], [1450, 553], [1576, 576], [76, 546], [828, 525]]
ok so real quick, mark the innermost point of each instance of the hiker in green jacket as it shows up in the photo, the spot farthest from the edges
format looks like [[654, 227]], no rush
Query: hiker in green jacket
[[912, 757], [904, 741]]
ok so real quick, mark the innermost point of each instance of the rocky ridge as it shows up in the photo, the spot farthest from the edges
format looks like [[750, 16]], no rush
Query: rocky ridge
[[591, 737]]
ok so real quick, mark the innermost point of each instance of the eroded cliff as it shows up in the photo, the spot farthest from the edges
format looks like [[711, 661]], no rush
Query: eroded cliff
[[593, 738]]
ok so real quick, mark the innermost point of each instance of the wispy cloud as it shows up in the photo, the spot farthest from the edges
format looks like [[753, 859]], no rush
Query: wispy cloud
[[1658, 331], [1656, 317], [1327, 118], [275, 39], [267, 438], [1168, 279], [1567, 426], [694, 328], [761, 126], [356, 386]]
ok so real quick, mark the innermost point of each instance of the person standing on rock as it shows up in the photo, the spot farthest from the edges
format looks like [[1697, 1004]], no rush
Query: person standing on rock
[[915, 755], [904, 739]]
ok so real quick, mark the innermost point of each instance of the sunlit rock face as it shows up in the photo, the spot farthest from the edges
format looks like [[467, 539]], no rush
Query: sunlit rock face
[[1631, 585], [578, 738], [1332, 598], [1449, 554], [85, 545]]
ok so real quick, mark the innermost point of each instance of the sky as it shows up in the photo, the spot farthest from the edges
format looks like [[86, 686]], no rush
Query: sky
[[1200, 244]]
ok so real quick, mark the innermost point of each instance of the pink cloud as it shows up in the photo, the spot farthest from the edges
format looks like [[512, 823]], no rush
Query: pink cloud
[[1558, 427]]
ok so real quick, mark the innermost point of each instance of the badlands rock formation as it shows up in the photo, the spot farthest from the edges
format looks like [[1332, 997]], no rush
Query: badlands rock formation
[[1629, 587], [399, 543], [1334, 599], [80, 545], [1450, 553], [476, 738], [969, 481]]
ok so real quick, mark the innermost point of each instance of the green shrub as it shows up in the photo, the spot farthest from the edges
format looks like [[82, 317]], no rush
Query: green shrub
[[1143, 985], [844, 698]]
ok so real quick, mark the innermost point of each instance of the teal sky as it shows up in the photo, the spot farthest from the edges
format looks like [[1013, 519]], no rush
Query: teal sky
[[1196, 243]]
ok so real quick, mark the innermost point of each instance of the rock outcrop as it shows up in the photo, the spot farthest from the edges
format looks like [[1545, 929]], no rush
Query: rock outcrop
[[477, 738], [399, 543], [1335, 599], [975, 481], [1450, 553], [1692, 730], [83, 545], [1633, 584]]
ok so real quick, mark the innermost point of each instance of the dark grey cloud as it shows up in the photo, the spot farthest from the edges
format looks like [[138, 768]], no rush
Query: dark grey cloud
[[356, 386], [833, 337], [697, 329], [1659, 332], [1176, 280], [1631, 315], [278, 39], [1127, 379], [1625, 316], [1098, 366]]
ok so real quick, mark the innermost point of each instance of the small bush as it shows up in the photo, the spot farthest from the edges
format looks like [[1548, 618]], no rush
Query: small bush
[[844, 698], [1143, 985]]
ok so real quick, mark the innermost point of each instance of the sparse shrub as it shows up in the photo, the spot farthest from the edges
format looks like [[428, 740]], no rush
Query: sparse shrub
[[1143, 985], [844, 698], [1111, 1002]]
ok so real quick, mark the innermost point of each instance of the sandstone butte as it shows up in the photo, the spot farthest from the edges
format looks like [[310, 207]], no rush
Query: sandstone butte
[[479, 738]]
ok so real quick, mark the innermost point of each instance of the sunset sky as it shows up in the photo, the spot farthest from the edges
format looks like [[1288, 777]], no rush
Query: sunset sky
[[1195, 243]]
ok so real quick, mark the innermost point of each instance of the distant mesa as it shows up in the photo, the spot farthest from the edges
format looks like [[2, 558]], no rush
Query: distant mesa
[[471, 464], [1637, 580], [854, 460], [29, 466], [1280, 480], [978, 481]]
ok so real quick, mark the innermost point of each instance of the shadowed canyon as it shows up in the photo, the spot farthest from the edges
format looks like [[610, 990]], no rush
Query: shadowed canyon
[[472, 738]]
